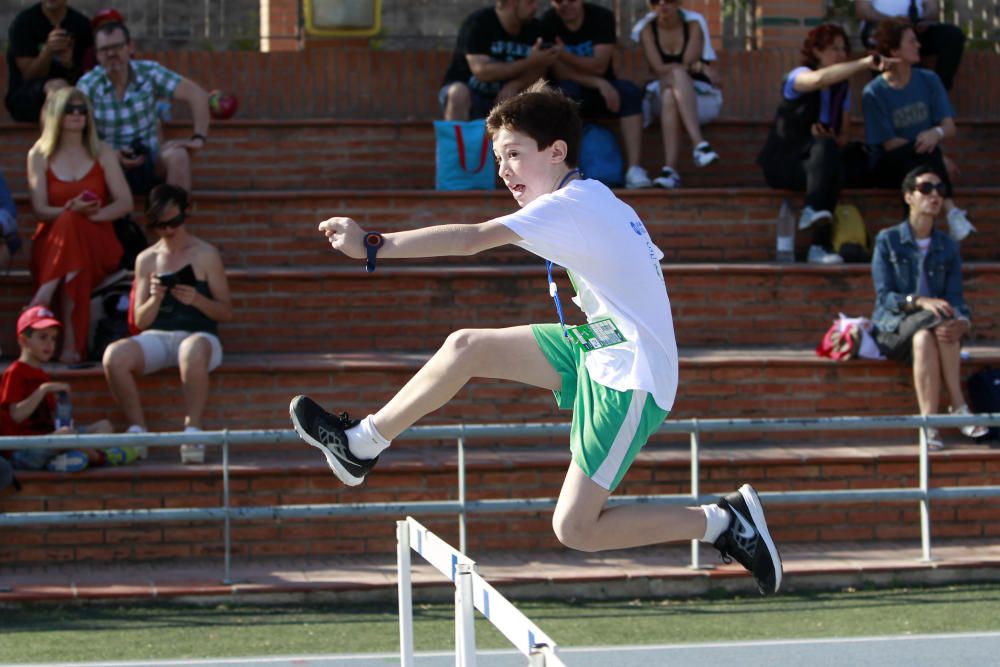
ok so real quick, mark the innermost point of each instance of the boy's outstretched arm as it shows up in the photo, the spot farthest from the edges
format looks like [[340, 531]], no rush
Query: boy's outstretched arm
[[345, 235]]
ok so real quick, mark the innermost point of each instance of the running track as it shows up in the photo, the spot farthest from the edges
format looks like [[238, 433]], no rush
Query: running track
[[966, 649]]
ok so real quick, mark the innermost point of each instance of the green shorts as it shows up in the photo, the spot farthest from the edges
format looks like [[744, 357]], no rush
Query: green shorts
[[609, 426]]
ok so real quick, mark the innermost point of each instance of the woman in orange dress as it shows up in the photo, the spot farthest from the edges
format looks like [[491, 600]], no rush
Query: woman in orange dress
[[77, 191]]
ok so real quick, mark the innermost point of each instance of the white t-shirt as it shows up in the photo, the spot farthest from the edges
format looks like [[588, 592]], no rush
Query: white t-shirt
[[615, 268], [896, 7]]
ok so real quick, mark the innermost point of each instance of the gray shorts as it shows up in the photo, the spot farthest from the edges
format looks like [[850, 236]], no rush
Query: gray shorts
[[161, 349]]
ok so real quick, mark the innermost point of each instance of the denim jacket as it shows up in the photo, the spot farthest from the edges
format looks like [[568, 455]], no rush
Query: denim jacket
[[896, 271]]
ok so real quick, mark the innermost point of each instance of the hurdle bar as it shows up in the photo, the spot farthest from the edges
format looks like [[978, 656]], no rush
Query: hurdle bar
[[471, 592]]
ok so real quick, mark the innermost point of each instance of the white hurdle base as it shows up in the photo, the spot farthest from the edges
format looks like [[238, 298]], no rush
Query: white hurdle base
[[471, 592]]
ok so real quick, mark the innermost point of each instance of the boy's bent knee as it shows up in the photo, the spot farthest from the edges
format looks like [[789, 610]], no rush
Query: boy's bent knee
[[574, 534]]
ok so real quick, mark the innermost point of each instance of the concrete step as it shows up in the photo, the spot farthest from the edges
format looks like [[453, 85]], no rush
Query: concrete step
[[413, 308], [375, 154], [253, 390], [298, 476], [278, 228]]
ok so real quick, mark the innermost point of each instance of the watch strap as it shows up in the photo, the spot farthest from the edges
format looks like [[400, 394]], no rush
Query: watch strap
[[373, 241]]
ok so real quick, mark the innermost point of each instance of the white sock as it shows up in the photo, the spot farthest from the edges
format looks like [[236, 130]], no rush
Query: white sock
[[135, 428], [191, 429], [365, 441], [716, 522]]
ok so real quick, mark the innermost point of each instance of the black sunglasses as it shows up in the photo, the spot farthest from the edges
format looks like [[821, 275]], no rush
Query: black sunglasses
[[927, 187], [76, 108], [172, 223]]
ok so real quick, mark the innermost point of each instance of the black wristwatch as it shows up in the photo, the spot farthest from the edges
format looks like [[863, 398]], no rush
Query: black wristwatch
[[373, 241], [203, 138], [911, 303]]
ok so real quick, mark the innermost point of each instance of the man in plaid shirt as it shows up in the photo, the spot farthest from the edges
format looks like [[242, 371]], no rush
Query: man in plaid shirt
[[124, 93]]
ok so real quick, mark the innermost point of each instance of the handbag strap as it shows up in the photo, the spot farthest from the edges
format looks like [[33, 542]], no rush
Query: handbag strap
[[461, 150]]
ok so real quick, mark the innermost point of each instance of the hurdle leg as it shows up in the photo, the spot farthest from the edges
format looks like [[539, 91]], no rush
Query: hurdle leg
[[405, 594], [465, 629]]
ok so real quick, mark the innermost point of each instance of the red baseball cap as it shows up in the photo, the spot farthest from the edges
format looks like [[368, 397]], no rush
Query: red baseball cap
[[107, 15], [37, 317]]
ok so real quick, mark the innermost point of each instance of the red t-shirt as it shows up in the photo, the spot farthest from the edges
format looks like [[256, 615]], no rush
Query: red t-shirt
[[19, 381]]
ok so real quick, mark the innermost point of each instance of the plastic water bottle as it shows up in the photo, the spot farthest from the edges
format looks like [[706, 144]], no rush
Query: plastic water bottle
[[64, 411], [785, 243]]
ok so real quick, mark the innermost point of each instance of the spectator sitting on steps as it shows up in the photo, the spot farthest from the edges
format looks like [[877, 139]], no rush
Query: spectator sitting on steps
[[498, 54], [124, 93], [77, 191], [907, 117], [47, 42], [585, 73], [808, 147], [180, 296], [920, 314]]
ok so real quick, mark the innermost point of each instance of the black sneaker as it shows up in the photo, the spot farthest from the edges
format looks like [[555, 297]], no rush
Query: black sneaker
[[747, 541], [326, 432]]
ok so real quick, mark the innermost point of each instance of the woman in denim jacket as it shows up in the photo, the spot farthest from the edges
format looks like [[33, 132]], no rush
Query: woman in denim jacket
[[920, 313]]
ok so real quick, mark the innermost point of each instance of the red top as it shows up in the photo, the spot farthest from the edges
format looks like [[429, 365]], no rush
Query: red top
[[19, 381]]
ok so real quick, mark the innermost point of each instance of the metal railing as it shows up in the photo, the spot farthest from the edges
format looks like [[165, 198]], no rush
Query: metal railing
[[462, 506]]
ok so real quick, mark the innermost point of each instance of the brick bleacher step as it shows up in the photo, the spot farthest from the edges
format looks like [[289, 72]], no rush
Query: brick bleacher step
[[407, 308], [253, 390], [278, 228], [384, 154], [296, 475]]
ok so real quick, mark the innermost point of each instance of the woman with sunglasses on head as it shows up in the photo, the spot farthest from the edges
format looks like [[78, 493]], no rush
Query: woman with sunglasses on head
[[907, 117], [673, 44], [180, 295], [77, 191], [920, 314]]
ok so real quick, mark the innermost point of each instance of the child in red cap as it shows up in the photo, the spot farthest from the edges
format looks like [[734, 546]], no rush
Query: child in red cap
[[28, 401]]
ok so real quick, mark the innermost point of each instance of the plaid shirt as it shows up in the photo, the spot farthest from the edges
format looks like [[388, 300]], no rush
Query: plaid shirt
[[119, 122]]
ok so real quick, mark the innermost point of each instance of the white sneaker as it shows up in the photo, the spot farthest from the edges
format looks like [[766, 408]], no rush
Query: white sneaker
[[636, 177], [192, 453], [958, 224], [810, 216], [143, 451], [817, 255], [668, 179], [704, 155], [969, 431]]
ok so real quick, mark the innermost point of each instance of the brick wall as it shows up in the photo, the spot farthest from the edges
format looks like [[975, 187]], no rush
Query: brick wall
[[337, 82], [657, 472]]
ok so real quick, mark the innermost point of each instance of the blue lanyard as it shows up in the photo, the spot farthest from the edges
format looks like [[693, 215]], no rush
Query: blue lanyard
[[553, 288]]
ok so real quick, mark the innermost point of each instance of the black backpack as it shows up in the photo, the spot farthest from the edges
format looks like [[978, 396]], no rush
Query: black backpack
[[984, 395]]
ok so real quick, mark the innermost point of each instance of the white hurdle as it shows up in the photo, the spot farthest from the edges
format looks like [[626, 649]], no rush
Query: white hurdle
[[471, 592]]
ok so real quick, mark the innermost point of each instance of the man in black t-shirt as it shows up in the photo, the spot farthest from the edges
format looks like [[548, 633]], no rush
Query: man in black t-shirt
[[498, 54], [46, 41], [587, 37]]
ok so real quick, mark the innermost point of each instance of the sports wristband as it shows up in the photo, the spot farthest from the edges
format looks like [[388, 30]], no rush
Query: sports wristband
[[373, 241]]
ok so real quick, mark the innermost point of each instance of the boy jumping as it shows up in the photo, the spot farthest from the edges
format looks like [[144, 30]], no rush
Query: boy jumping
[[618, 372]]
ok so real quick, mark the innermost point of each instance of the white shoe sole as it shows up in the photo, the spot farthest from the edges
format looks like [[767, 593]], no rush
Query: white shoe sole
[[757, 514], [331, 460]]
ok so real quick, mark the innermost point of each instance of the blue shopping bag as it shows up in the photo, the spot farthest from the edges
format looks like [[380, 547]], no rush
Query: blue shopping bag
[[600, 157], [464, 155]]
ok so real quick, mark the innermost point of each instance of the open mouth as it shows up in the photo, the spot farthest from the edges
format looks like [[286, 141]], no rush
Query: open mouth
[[517, 189]]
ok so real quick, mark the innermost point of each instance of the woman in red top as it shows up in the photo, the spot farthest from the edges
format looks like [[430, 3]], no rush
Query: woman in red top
[[77, 190]]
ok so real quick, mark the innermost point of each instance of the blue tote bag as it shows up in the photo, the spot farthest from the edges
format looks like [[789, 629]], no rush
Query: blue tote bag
[[464, 155]]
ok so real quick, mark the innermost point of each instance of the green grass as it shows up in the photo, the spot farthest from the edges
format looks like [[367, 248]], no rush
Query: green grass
[[148, 631]]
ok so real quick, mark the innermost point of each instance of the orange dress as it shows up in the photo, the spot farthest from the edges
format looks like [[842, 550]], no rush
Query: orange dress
[[73, 243]]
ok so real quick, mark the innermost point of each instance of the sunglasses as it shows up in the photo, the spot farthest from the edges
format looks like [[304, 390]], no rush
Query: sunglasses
[[76, 108], [927, 187], [654, 3], [172, 223], [559, 2]]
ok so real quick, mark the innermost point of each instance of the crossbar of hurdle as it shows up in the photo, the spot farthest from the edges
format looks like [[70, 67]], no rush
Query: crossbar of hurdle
[[471, 592]]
